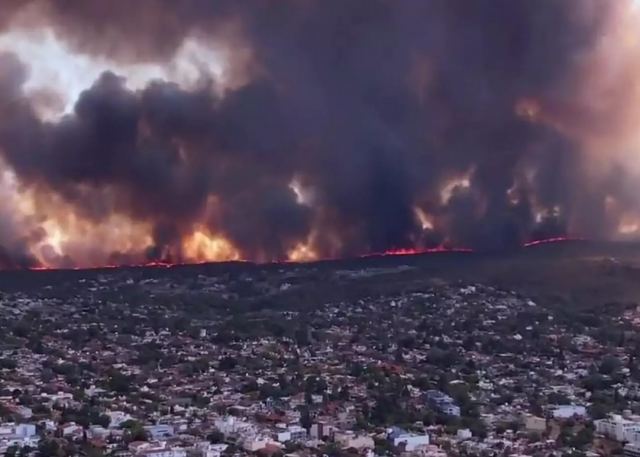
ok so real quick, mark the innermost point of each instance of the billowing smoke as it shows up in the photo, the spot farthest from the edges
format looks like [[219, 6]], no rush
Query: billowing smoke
[[324, 127]]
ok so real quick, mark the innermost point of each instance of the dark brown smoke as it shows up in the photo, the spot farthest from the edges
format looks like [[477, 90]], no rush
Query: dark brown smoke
[[372, 106]]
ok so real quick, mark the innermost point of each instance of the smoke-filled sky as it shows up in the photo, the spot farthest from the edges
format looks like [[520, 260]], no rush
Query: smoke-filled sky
[[195, 130]]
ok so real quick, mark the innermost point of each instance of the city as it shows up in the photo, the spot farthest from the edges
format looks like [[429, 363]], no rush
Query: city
[[231, 362]]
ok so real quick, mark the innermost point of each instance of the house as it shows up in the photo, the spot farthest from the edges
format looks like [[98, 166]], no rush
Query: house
[[410, 441]]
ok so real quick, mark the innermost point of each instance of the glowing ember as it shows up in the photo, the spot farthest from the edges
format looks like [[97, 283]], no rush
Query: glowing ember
[[557, 239], [418, 251]]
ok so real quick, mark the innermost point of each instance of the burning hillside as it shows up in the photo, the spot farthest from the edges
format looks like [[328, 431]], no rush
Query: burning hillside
[[193, 131]]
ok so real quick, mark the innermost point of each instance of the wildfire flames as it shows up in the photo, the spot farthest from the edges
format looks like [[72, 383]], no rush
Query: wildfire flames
[[161, 133]]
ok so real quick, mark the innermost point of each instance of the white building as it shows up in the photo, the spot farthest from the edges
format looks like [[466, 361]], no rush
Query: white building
[[632, 450], [232, 426], [117, 418], [71, 429], [257, 442], [617, 428], [210, 450], [159, 431], [98, 431], [156, 449], [568, 411], [291, 433], [19, 435], [61, 398], [632, 436], [245, 433], [411, 442], [19, 430]]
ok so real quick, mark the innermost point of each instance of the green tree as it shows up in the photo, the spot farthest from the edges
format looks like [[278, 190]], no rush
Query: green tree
[[305, 418], [583, 438], [215, 437], [120, 383], [609, 365], [135, 430], [49, 448], [227, 363]]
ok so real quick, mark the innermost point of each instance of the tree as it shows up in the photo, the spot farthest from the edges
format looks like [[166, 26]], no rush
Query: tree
[[49, 448], [583, 438], [556, 398], [135, 430], [215, 437], [599, 410], [534, 437], [227, 363], [102, 420], [291, 447], [305, 418], [565, 436], [344, 393], [8, 364], [595, 382], [119, 382], [332, 450], [609, 365]]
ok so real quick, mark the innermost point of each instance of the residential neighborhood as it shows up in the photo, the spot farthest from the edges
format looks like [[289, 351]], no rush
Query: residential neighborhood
[[141, 364]]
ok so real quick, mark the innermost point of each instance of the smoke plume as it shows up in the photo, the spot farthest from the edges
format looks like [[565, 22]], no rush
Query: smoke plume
[[301, 129]]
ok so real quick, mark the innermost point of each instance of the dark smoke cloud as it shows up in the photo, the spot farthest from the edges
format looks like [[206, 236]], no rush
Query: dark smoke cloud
[[371, 104]]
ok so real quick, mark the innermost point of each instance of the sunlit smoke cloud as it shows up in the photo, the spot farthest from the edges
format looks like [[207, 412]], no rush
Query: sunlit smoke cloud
[[53, 68]]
